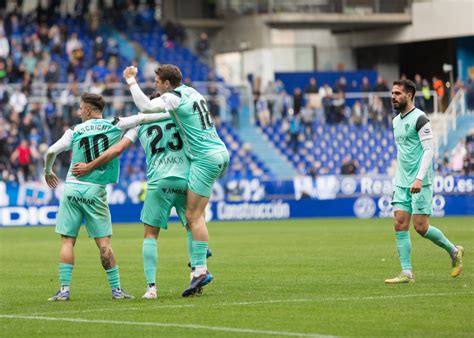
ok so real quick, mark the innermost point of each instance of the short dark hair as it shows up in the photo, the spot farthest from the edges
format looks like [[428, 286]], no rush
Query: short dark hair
[[170, 73], [407, 85], [94, 101]]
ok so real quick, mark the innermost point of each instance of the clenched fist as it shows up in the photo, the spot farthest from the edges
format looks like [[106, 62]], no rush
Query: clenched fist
[[129, 72]]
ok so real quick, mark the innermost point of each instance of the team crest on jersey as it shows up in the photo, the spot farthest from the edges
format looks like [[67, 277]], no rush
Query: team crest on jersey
[[407, 126]]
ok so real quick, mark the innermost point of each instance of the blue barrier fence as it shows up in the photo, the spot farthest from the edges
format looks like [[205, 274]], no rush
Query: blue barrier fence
[[329, 196]]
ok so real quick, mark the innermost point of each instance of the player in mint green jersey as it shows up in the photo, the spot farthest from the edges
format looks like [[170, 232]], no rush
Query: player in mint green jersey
[[86, 197], [413, 187], [167, 173], [207, 153]]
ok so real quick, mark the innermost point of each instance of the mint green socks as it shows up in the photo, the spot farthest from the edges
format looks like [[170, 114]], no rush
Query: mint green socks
[[65, 272], [150, 259], [404, 249], [437, 237], [190, 248], [199, 253], [113, 277]]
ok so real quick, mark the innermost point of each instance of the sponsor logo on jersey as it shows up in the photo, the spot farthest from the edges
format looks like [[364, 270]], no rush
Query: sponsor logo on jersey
[[173, 191], [83, 200], [170, 160]]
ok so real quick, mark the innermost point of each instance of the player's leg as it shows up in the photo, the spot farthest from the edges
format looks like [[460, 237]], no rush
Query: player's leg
[[202, 176], [150, 259], [155, 213], [99, 227], [422, 206], [402, 206], [66, 265], [69, 219], [111, 268]]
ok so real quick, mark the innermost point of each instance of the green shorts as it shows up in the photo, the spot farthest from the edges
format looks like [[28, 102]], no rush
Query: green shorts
[[414, 204], [169, 192], [204, 172], [84, 201]]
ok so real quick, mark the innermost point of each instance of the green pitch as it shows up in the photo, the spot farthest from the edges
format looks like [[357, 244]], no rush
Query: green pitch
[[280, 278]]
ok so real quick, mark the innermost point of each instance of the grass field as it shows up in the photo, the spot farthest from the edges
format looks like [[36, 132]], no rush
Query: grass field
[[283, 278]]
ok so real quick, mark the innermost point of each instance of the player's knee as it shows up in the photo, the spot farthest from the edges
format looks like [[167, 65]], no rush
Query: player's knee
[[399, 224], [420, 227], [191, 218]]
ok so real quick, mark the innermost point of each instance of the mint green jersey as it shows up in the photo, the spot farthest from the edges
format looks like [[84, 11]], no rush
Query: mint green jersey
[[164, 151], [195, 122], [90, 139], [408, 132]]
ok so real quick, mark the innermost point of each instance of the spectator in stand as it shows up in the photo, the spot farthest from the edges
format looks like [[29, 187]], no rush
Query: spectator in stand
[[74, 48], [381, 85], [18, 100], [470, 94], [365, 86], [426, 92], [23, 157], [4, 46], [3, 71], [349, 167], [312, 87], [307, 118], [234, 105], [325, 93], [338, 107], [298, 100], [149, 67], [295, 129], [55, 39], [358, 116], [378, 112], [100, 71], [4, 98], [438, 86], [271, 94], [341, 85], [458, 156], [28, 63], [314, 100], [419, 101], [263, 113], [469, 164], [284, 103], [202, 46]]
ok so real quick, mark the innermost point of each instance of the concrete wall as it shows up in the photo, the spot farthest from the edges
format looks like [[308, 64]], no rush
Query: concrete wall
[[331, 50], [437, 19]]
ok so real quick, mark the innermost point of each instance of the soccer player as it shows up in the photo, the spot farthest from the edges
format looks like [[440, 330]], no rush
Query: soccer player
[[207, 153], [167, 173], [86, 197], [413, 187]]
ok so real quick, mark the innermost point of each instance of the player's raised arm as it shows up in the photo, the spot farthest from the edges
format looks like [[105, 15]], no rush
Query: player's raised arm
[[145, 104], [135, 120], [63, 144], [81, 169]]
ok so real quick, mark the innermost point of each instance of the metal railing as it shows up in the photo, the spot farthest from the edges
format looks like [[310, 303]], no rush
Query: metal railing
[[122, 101], [227, 8], [456, 107]]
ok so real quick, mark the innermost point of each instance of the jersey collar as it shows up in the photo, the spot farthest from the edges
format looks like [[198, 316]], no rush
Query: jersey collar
[[403, 116]]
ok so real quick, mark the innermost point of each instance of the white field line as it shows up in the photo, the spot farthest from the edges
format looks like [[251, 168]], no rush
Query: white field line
[[275, 301], [170, 325]]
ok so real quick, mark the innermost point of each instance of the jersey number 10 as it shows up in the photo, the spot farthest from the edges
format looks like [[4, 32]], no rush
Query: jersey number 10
[[95, 146], [204, 115]]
